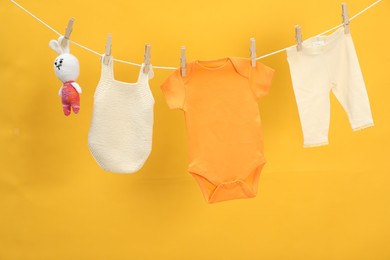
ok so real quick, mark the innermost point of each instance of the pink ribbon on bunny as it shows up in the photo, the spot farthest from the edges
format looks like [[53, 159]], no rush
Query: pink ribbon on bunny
[[67, 69]]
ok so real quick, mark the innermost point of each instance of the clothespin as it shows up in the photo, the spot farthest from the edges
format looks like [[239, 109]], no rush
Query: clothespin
[[253, 52], [108, 49], [183, 61], [298, 37], [345, 16], [147, 58], [68, 31]]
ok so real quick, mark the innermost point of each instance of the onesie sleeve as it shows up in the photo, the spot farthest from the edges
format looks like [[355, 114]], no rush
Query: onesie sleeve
[[260, 79], [173, 90]]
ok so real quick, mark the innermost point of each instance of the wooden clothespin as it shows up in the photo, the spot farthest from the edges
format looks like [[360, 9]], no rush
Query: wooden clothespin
[[298, 37], [345, 16], [147, 58], [68, 31], [108, 50], [183, 61], [253, 52]]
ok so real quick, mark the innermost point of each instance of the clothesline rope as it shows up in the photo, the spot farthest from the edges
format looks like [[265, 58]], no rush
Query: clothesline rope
[[173, 68], [327, 31]]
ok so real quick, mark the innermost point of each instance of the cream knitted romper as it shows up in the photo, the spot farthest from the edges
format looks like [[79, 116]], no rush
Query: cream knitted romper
[[120, 135]]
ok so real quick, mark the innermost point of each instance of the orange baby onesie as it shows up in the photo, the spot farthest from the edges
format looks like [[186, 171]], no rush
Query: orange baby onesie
[[225, 140]]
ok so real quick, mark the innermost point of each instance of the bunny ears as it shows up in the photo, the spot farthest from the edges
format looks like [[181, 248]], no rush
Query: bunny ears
[[62, 45], [58, 45]]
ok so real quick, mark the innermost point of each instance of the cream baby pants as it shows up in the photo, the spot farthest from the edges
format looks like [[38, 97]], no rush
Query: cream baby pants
[[328, 63]]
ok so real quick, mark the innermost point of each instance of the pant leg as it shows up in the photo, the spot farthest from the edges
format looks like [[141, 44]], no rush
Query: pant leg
[[311, 86], [350, 89], [75, 106], [66, 109]]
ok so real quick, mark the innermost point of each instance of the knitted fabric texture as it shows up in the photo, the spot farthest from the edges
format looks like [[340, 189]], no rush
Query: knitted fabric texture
[[120, 135]]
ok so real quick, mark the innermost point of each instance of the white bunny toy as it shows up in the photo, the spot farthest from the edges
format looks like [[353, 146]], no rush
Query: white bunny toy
[[67, 69]]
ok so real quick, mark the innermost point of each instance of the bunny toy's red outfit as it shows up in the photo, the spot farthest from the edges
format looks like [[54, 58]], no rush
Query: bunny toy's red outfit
[[70, 98]]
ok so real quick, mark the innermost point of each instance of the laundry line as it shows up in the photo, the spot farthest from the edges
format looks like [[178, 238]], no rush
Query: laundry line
[[174, 68]]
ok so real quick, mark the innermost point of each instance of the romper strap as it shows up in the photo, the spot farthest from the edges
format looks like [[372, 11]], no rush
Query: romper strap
[[107, 69], [142, 77]]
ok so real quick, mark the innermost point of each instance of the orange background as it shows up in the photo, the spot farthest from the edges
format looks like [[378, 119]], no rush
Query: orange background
[[56, 203]]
